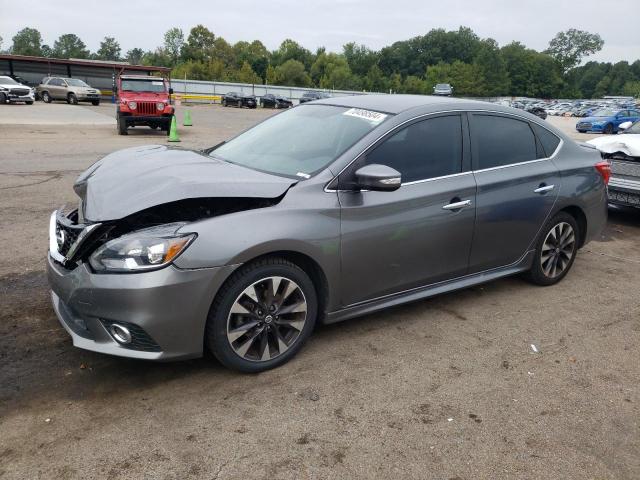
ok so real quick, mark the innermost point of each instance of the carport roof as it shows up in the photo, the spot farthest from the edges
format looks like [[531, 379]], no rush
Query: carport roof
[[84, 62]]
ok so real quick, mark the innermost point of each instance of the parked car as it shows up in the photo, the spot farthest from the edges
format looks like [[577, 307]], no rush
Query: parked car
[[623, 151], [72, 90], [12, 91], [325, 212], [607, 120], [311, 96], [443, 89], [538, 112], [143, 100], [239, 100], [275, 101]]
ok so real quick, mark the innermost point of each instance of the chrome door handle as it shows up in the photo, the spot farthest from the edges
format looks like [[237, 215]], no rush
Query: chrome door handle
[[544, 188], [457, 205]]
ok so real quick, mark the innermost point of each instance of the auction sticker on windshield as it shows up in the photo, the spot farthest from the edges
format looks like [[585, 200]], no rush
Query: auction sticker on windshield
[[369, 115]]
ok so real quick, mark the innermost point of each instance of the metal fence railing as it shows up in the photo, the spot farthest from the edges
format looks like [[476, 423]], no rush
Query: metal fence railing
[[200, 91]]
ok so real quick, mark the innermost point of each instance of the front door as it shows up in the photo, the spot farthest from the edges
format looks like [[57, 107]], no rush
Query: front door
[[420, 233]]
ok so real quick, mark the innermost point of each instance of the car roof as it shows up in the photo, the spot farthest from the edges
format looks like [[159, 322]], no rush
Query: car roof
[[395, 104], [140, 77]]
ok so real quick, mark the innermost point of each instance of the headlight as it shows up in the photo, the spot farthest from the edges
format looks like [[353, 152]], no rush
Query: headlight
[[146, 249], [160, 106], [133, 105]]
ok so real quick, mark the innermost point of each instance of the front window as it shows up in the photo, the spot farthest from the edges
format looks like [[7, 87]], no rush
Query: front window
[[604, 112], [74, 82], [8, 81], [300, 142], [142, 85]]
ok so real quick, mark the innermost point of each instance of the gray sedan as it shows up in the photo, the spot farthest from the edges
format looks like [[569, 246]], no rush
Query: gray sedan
[[329, 210]]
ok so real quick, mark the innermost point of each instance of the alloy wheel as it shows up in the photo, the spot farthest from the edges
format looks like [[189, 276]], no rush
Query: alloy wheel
[[557, 250], [266, 319]]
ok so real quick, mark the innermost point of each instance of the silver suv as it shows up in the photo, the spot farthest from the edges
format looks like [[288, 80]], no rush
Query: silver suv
[[72, 90]]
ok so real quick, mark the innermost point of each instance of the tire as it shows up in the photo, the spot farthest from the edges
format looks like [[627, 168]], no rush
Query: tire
[[552, 265], [72, 99], [29, 103], [228, 332], [582, 131], [608, 130], [122, 126], [46, 98], [224, 102], [95, 103]]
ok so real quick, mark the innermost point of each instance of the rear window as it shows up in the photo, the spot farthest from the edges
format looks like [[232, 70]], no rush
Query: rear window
[[501, 141], [548, 140]]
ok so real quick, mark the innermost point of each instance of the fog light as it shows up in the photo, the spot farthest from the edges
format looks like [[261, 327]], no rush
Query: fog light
[[120, 334]]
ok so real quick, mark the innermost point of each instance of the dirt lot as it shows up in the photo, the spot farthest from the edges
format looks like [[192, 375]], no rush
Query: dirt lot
[[447, 388]]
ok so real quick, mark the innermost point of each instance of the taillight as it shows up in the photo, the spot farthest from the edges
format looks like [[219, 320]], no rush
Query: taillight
[[604, 169]]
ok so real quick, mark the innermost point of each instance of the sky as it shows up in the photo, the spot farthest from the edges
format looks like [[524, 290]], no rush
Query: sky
[[375, 23]]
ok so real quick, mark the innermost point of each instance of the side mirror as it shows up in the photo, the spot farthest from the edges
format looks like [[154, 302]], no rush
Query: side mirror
[[624, 125], [378, 178], [170, 91]]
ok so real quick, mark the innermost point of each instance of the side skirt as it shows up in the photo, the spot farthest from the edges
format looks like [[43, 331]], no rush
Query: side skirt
[[432, 290]]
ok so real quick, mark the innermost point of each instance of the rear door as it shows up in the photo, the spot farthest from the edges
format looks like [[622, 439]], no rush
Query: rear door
[[517, 187], [55, 88], [420, 233]]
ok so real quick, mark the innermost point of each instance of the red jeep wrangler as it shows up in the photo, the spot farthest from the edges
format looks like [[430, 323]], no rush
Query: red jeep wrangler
[[143, 100]]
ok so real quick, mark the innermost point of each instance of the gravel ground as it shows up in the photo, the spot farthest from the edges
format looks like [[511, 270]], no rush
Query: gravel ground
[[447, 388]]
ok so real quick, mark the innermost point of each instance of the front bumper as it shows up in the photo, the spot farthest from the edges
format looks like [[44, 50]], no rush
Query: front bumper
[[20, 98], [169, 306]]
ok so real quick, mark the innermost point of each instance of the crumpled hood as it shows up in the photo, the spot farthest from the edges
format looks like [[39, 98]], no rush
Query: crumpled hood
[[134, 179], [627, 143]]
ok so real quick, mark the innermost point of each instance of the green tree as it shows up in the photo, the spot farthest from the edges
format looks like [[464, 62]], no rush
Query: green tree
[[415, 85], [632, 88], [375, 80], [134, 56], [199, 44], [173, 44], [291, 50], [109, 49], [360, 58], [271, 77], [247, 75], [69, 45], [570, 47], [492, 68], [27, 41], [292, 73], [157, 58]]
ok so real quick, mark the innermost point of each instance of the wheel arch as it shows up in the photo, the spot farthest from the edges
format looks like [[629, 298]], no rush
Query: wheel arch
[[581, 219]]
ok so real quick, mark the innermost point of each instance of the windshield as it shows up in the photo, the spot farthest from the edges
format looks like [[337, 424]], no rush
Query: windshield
[[74, 82], [8, 81], [300, 142], [142, 85], [442, 85], [635, 129], [603, 112]]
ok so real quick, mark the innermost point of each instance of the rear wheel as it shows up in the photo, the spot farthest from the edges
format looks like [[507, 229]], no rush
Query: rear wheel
[[262, 315], [556, 250], [3, 98]]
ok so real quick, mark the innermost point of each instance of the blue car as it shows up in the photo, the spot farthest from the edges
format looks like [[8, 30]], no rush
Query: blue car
[[607, 120]]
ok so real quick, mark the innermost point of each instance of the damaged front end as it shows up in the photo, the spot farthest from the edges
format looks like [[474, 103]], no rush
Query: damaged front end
[[73, 240]]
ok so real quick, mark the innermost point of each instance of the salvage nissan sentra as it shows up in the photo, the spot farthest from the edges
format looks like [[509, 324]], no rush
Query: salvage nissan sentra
[[329, 210]]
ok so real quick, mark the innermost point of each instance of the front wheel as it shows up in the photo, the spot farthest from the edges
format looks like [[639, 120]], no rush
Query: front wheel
[[95, 103], [3, 98], [72, 99], [29, 103], [122, 126], [262, 315], [556, 250], [46, 98], [608, 129]]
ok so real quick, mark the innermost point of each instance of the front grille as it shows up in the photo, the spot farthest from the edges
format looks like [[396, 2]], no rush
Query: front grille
[[147, 108], [19, 91], [631, 169], [140, 340], [69, 231]]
